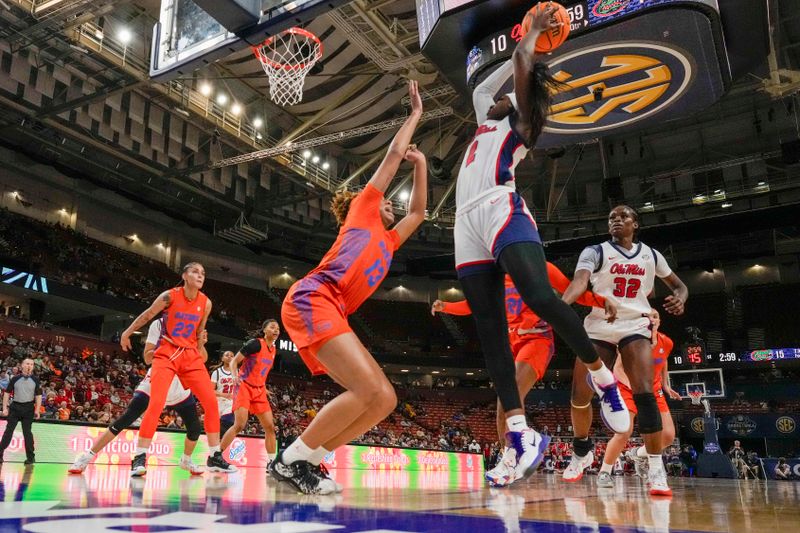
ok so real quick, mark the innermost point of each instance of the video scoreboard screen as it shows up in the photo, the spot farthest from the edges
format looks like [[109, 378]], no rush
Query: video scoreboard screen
[[695, 355]]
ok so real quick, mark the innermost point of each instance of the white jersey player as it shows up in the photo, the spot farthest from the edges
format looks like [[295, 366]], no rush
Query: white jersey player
[[495, 233], [623, 270], [176, 393], [224, 383]]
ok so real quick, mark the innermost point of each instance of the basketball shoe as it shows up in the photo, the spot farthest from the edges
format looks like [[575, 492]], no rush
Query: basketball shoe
[[189, 465], [574, 471], [613, 410], [139, 465], [216, 463], [503, 473], [530, 447], [80, 464], [657, 480]]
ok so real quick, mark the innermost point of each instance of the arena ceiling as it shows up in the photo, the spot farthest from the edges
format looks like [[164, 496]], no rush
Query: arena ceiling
[[359, 83]]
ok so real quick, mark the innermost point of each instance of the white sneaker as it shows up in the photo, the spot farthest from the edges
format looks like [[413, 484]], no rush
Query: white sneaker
[[80, 464], [605, 481], [641, 464], [657, 480], [189, 466], [504, 472], [613, 410], [574, 471], [530, 447]]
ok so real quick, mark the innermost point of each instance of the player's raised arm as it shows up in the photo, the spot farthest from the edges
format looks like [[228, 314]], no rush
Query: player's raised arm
[[419, 195], [483, 95], [399, 146], [147, 315]]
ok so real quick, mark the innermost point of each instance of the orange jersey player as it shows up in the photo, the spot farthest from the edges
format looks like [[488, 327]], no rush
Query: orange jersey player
[[256, 358], [661, 389], [531, 340], [316, 308], [185, 312]]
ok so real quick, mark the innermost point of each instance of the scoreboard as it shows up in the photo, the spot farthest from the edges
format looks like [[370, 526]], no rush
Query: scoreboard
[[695, 355]]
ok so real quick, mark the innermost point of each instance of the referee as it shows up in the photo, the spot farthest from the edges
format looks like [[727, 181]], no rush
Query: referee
[[27, 400]]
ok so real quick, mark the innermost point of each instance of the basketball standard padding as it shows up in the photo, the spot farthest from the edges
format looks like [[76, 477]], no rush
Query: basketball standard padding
[[551, 39]]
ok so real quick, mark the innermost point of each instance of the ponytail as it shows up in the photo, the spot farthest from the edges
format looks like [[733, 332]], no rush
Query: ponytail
[[543, 85], [260, 333], [185, 269]]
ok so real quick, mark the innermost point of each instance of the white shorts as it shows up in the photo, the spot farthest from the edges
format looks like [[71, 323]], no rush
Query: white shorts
[[599, 330], [484, 230]]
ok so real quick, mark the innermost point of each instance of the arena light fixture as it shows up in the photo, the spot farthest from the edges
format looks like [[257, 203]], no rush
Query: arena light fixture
[[404, 370], [205, 88], [470, 373], [306, 154], [259, 136], [236, 109], [98, 33], [63, 211], [315, 159], [727, 205], [435, 372], [160, 245], [404, 196], [222, 98], [258, 122], [326, 165], [125, 36]]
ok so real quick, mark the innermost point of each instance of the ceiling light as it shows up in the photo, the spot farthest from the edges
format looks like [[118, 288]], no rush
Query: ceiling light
[[435, 372], [98, 33], [315, 159], [236, 109], [134, 237], [404, 196], [727, 205], [125, 36], [205, 88], [257, 122], [62, 211], [306, 154], [404, 370], [259, 136], [326, 165], [470, 373], [222, 98], [160, 245]]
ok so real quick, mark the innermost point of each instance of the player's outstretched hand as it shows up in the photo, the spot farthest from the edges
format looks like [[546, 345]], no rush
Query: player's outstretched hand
[[413, 94], [671, 393], [414, 156], [125, 341], [611, 311], [673, 305], [437, 307], [202, 338], [542, 19]]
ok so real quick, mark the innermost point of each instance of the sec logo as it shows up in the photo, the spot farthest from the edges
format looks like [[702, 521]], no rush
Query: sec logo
[[697, 425], [611, 85], [785, 424]]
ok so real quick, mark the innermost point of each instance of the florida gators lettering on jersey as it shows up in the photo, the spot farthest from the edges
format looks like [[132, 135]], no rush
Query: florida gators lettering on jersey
[[625, 276], [256, 365], [490, 160], [181, 318]]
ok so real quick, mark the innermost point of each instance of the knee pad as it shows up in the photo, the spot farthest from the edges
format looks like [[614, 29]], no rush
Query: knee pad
[[193, 429], [649, 417]]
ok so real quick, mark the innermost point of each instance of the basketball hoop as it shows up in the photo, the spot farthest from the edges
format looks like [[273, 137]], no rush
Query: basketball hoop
[[696, 396], [286, 58]]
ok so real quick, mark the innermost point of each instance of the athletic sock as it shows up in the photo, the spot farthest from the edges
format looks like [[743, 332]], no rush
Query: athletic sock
[[297, 451], [516, 423], [318, 455], [213, 449], [641, 451], [606, 468], [602, 376], [140, 450], [655, 461], [270, 456], [186, 458]]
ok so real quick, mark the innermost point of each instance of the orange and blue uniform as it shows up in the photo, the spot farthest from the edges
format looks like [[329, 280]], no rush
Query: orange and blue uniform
[[316, 308], [251, 391], [177, 354], [661, 351], [530, 337]]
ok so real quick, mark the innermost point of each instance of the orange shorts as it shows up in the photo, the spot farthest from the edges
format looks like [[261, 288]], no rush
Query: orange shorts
[[536, 350], [254, 399], [312, 317], [627, 395]]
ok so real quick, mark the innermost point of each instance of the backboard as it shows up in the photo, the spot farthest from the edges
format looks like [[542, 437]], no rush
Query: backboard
[[193, 33], [709, 381]]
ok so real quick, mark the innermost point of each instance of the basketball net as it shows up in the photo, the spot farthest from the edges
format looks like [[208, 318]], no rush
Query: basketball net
[[696, 396], [286, 58]]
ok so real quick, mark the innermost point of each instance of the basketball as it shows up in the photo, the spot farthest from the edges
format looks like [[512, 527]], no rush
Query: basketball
[[551, 39]]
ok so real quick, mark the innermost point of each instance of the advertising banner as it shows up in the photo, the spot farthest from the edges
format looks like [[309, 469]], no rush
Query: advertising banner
[[770, 464], [60, 443], [750, 425]]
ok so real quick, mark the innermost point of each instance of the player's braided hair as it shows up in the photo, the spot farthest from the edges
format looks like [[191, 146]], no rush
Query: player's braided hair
[[542, 85], [340, 205]]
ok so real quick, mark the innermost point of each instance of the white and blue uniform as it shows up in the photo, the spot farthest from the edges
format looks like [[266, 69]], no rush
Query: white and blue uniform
[[490, 214], [627, 278]]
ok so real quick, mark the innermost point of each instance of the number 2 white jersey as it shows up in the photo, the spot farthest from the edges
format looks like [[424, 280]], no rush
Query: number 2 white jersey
[[625, 276], [489, 162], [223, 382]]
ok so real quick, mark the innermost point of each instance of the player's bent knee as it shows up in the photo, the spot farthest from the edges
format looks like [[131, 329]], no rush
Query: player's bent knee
[[649, 416], [193, 430]]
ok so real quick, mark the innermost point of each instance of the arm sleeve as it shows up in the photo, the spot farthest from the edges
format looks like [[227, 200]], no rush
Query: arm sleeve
[[483, 95], [250, 347], [662, 267], [560, 282], [457, 308], [154, 332], [589, 259]]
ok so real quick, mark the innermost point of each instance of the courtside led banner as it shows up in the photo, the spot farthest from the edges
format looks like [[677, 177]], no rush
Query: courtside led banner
[[60, 443]]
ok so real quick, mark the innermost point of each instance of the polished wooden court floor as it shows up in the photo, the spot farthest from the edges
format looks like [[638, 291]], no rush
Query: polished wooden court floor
[[45, 498]]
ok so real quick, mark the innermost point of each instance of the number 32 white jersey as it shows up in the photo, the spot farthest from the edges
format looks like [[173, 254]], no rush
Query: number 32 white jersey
[[625, 276]]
